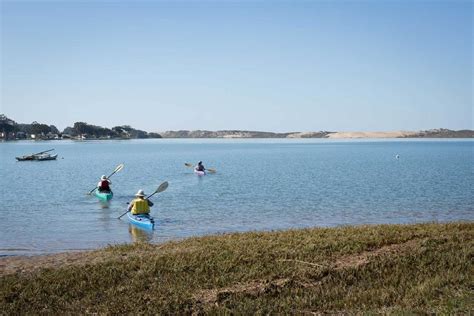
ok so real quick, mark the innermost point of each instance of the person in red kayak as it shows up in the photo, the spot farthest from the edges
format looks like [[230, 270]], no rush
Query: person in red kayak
[[104, 184], [140, 205]]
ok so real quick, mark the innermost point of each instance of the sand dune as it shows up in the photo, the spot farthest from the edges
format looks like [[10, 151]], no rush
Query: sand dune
[[393, 134]]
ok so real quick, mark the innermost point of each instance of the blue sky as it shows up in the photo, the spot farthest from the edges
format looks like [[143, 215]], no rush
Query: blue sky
[[256, 65]]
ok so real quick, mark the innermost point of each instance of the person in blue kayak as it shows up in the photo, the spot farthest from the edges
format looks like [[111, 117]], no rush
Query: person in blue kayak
[[104, 184], [140, 205], [200, 167]]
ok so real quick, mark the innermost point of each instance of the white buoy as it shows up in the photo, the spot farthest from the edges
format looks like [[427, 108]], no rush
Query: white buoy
[[397, 156]]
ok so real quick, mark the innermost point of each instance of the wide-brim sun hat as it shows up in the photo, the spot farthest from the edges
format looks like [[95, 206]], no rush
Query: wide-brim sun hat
[[103, 177], [140, 193]]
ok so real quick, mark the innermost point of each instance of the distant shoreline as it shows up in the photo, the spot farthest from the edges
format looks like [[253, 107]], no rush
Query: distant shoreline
[[434, 133], [10, 130], [329, 136], [230, 138]]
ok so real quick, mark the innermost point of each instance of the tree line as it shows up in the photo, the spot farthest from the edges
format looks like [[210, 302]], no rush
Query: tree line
[[9, 128]]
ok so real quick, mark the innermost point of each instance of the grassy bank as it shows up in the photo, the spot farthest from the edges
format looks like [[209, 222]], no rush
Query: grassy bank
[[389, 268]]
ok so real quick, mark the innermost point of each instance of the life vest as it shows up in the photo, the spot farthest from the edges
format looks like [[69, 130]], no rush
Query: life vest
[[140, 206], [104, 185]]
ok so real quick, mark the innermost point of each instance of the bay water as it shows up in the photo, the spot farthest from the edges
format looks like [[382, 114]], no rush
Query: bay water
[[260, 184]]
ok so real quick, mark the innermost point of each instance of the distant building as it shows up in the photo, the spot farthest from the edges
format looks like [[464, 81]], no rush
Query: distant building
[[52, 136], [7, 127]]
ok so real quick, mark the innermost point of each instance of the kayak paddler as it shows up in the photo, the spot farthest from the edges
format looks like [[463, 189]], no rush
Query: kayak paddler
[[200, 167], [140, 205], [104, 184]]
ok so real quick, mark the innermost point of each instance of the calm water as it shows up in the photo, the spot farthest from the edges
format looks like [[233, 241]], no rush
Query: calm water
[[260, 185]]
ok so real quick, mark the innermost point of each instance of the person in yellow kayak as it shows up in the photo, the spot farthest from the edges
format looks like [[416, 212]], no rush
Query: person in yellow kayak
[[140, 205]]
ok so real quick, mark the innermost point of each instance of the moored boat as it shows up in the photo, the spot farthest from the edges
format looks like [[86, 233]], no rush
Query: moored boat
[[41, 157], [25, 158], [142, 220], [44, 157], [104, 196]]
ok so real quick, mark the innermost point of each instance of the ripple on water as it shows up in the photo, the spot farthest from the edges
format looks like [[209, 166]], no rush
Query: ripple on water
[[259, 184]]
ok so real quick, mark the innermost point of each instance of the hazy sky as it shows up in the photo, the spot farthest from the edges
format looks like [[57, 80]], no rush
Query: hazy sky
[[257, 65]]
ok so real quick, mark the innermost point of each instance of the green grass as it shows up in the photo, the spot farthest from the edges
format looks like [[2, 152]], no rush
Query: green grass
[[425, 268]]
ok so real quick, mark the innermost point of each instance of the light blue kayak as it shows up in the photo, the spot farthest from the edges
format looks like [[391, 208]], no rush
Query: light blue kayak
[[104, 196], [142, 220]]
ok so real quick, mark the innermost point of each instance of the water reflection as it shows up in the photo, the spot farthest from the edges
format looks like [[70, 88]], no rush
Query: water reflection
[[140, 235], [104, 204]]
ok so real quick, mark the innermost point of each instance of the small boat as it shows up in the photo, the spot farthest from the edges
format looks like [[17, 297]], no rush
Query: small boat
[[199, 173], [104, 196], [141, 220], [41, 157], [44, 157], [25, 158]]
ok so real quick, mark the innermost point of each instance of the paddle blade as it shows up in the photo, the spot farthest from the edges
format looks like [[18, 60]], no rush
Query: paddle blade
[[211, 170], [162, 187], [187, 164], [119, 167]]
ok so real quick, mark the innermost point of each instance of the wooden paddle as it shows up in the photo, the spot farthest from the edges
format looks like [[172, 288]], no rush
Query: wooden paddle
[[42, 152], [119, 167], [190, 165], [161, 188]]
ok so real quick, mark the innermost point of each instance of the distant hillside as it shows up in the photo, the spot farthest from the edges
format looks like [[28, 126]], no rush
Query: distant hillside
[[320, 134], [444, 133], [222, 134], [10, 130], [434, 133]]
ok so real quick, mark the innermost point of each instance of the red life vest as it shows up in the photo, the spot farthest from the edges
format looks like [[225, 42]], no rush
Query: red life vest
[[104, 185]]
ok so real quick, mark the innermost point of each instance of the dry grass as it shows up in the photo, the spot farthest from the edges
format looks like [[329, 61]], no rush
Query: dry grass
[[426, 268]]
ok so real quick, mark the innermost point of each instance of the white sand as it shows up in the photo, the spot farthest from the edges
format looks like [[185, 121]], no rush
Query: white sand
[[393, 134]]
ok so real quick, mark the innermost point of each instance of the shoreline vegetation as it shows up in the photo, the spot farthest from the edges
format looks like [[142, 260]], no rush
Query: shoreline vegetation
[[418, 268], [10, 130]]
